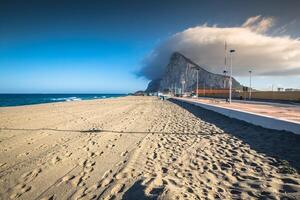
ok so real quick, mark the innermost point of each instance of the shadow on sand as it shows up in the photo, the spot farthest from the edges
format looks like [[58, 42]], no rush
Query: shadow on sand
[[137, 192], [279, 144], [100, 131]]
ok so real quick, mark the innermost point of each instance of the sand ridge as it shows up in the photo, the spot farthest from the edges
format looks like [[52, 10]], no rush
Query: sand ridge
[[130, 148]]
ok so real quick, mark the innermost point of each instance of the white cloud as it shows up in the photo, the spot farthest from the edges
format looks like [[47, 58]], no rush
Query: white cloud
[[258, 24], [263, 54]]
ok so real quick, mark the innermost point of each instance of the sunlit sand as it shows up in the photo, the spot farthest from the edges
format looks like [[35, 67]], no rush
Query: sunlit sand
[[139, 148]]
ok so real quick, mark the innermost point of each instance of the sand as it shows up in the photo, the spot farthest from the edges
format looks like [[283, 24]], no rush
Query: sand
[[141, 148]]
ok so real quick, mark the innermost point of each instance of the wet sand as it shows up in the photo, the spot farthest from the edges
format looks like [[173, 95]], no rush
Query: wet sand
[[141, 148]]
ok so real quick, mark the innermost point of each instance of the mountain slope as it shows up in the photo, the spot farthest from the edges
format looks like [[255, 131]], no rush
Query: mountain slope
[[181, 69]]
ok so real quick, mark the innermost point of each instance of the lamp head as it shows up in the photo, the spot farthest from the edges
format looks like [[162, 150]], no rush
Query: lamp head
[[232, 51]]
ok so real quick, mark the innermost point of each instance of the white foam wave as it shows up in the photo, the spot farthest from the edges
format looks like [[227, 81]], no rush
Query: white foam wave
[[66, 99]]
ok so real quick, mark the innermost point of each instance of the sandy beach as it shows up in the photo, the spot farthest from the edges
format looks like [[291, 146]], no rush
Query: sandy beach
[[141, 148]]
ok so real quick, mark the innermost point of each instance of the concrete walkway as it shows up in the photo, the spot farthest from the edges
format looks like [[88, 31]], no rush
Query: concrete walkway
[[269, 115]]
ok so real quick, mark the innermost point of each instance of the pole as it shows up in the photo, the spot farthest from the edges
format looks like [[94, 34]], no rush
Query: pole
[[197, 83], [175, 89], [182, 89], [204, 88], [230, 81], [225, 79], [272, 91], [250, 86], [225, 64], [186, 78]]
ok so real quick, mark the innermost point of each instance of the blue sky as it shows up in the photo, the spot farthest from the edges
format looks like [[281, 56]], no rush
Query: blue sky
[[71, 65], [97, 46]]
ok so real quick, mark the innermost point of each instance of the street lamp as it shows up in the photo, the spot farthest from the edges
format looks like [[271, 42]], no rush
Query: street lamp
[[230, 80], [182, 89], [225, 78], [197, 84], [250, 73]]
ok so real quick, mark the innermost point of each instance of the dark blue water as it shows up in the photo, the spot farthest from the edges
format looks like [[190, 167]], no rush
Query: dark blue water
[[28, 99]]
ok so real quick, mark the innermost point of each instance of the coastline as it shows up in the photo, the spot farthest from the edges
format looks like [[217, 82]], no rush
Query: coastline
[[10, 100], [140, 147]]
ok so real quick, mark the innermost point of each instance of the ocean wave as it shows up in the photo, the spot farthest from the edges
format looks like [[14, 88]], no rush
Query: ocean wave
[[58, 99], [74, 99], [29, 99], [66, 99]]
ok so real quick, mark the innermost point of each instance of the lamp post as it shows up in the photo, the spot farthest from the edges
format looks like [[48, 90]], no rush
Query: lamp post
[[182, 89], [174, 89], [197, 88], [250, 73], [197, 78], [204, 87], [230, 80], [226, 84], [186, 78]]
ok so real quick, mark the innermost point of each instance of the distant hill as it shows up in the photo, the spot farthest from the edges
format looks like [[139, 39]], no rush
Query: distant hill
[[181, 68]]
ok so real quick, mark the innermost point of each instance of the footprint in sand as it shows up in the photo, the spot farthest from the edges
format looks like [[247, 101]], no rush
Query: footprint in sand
[[2, 164], [290, 181], [52, 197], [19, 190], [67, 178], [55, 160], [105, 175], [76, 181], [29, 176], [93, 187], [106, 182], [98, 153], [80, 193], [124, 153], [88, 169], [91, 154], [123, 175], [110, 146], [68, 154], [83, 162], [90, 163], [23, 154], [41, 146], [117, 189], [121, 163]]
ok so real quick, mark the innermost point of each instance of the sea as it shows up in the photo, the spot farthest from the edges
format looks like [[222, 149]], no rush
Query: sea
[[29, 99]]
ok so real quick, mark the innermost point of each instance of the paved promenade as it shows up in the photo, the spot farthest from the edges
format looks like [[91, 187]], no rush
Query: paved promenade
[[288, 112], [269, 115]]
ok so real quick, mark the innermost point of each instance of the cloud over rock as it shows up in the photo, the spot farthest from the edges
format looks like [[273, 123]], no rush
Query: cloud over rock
[[264, 54]]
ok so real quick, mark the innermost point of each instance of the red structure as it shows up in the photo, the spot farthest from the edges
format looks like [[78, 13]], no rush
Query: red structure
[[213, 91]]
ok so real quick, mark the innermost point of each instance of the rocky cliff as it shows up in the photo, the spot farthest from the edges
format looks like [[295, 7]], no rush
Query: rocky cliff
[[181, 73]]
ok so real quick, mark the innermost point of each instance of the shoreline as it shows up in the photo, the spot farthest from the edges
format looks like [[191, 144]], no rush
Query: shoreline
[[141, 147], [64, 99]]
